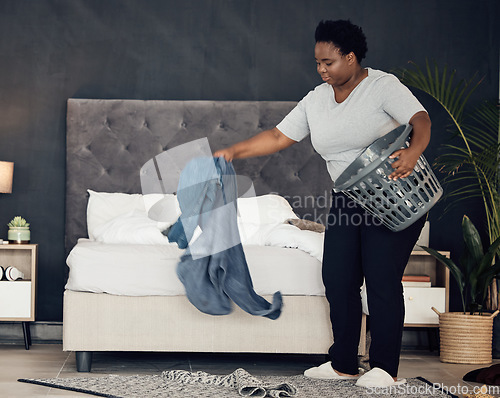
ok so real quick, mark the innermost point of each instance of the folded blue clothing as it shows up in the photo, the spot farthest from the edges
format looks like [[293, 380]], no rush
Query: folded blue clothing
[[213, 269]]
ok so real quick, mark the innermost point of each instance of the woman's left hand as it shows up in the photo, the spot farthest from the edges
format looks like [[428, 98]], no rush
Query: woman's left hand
[[406, 161]]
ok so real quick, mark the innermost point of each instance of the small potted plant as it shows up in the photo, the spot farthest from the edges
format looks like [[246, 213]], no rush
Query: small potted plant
[[19, 230]]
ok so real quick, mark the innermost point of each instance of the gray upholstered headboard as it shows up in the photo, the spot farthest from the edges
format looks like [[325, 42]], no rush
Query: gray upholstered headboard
[[108, 141]]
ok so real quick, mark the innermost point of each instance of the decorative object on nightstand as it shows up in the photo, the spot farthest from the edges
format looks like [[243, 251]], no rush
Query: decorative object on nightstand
[[19, 230], [11, 273], [18, 289], [6, 176], [466, 336]]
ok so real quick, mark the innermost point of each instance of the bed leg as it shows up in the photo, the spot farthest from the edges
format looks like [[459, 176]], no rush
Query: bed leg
[[83, 361]]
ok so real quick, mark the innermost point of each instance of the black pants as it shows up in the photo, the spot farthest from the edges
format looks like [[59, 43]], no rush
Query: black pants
[[357, 246]]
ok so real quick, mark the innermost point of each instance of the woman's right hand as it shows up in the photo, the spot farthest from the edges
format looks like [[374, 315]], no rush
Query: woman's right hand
[[226, 153]]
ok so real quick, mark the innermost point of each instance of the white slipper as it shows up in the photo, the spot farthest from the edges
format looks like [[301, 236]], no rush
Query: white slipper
[[378, 378], [326, 372]]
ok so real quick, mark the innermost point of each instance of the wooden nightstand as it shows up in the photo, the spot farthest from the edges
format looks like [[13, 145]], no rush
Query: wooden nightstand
[[17, 298], [419, 300]]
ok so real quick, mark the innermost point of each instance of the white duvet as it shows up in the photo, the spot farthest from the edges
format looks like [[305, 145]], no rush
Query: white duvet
[[145, 270]]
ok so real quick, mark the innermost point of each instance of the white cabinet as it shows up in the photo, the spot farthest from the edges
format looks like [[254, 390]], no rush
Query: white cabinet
[[418, 304], [419, 300], [17, 298]]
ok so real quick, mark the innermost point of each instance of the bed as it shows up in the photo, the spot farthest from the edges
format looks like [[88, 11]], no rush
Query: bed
[[108, 142]]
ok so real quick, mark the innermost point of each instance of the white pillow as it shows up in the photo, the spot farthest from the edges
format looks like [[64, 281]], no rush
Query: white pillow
[[134, 227], [286, 235], [253, 233], [104, 206], [162, 208], [265, 209]]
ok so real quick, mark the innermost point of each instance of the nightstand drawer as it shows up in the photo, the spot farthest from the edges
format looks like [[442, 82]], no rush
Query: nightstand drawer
[[418, 303], [15, 299]]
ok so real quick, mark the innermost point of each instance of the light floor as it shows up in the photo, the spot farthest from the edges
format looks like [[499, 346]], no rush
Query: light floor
[[48, 361]]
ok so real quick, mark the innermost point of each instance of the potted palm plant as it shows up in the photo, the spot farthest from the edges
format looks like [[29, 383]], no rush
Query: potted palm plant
[[471, 167], [466, 336]]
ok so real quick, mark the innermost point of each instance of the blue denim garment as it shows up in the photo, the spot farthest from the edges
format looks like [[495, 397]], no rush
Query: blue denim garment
[[213, 269]]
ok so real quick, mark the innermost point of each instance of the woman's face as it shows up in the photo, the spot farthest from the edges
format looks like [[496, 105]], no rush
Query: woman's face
[[333, 67]]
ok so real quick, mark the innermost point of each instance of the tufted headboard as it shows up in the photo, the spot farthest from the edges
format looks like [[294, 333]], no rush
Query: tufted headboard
[[108, 141]]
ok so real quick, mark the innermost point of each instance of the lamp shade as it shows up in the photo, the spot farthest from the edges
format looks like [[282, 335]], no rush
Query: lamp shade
[[6, 174]]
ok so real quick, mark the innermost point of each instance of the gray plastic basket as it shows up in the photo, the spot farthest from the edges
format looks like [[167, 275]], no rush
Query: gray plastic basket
[[400, 203]]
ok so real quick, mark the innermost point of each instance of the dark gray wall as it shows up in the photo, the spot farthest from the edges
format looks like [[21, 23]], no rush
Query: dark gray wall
[[51, 50]]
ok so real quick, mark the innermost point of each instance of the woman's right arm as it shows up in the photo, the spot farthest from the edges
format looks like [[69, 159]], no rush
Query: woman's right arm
[[264, 143]]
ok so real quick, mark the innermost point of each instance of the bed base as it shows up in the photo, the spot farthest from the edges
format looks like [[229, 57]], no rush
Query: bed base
[[103, 322]]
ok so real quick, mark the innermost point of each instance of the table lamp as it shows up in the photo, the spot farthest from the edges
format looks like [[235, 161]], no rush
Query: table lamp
[[6, 175]]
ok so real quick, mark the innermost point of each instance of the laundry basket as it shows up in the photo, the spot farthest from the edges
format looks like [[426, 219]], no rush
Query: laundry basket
[[400, 203]]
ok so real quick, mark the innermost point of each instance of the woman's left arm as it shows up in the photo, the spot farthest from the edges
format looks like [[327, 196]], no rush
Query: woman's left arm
[[407, 158]]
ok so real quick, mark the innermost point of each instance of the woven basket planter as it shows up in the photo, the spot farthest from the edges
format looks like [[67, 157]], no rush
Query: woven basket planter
[[465, 338]]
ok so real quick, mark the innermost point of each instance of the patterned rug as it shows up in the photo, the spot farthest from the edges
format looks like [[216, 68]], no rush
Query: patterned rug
[[182, 384]]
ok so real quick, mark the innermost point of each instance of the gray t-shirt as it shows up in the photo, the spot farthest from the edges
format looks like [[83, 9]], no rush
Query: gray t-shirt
[[341, 131]]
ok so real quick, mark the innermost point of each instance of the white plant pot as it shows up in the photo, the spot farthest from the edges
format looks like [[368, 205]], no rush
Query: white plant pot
[[19, 235]]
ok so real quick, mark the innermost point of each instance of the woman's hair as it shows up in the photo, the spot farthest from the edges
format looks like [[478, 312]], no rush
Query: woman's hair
[[344, 35]]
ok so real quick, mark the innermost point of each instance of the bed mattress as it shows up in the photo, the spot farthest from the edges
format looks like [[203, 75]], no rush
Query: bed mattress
[[150, 270]]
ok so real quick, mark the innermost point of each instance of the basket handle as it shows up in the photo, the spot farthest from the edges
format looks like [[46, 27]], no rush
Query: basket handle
[[491, 316], [435, 310]]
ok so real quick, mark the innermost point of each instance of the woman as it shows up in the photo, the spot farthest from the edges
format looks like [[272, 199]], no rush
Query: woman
[[351, 109]]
